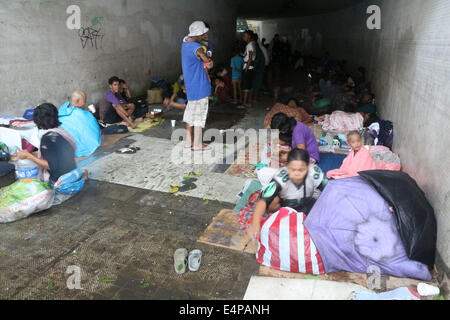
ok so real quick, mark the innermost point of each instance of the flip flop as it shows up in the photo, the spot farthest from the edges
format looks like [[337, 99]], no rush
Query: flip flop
[[126, 151], [187, 187], [187, 180], [194, 260], [193, 174], [179, 260], [203, 148]]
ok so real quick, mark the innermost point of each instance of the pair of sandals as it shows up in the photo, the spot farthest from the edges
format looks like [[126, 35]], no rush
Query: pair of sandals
[[128, 150], [187, 184], [182, 259]]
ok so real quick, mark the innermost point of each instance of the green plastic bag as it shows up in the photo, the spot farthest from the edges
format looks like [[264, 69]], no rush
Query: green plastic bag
[[322, 103], [23, 198]]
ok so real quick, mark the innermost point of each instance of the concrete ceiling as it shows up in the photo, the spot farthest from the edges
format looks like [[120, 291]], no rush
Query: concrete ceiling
[[272, 9]]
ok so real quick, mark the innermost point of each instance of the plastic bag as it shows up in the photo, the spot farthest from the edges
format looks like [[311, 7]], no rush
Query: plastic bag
[[23, 198], [285, 244], [414, 215]]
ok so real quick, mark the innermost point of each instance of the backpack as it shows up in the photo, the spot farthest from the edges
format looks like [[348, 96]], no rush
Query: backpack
[[386, 135]]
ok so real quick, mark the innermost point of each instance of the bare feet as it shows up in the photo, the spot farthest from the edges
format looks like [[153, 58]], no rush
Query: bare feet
[[202, 148]]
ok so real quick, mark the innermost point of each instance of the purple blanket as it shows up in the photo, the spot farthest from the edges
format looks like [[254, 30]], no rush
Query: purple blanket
[[353, 228]]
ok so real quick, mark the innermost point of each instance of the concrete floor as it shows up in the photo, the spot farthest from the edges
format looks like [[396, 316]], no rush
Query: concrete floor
[[123, 235]]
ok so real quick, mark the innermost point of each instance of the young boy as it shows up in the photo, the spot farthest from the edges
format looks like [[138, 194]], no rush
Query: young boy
[[221, 90], [237, 64]]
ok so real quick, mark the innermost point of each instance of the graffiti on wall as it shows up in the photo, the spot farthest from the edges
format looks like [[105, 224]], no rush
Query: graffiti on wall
[[91, 35], [88, 35]]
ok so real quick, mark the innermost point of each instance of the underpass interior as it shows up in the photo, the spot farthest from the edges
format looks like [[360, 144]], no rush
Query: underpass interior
[[123, 228]]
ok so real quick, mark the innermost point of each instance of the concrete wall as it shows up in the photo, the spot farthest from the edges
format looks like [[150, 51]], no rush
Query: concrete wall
[[409, 65], [42, 60]]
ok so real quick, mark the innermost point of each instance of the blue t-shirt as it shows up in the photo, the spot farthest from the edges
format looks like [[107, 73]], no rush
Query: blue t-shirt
[[236, 62], [195, 78], [83, 127]]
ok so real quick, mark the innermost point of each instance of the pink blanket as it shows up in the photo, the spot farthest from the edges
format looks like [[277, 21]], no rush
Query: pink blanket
[[362, 161], [375, 159]]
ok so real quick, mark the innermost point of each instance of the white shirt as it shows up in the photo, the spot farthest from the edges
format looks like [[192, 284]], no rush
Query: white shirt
[[249, 48]]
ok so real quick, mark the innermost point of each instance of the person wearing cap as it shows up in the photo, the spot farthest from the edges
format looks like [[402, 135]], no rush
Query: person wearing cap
[[198, 86]]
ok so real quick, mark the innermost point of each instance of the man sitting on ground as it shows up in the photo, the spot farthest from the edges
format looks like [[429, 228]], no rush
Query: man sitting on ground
[[80, 124], [115, 109]]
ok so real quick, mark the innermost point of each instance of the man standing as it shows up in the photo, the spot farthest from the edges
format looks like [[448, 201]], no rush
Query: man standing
[[198, 86], [248, 72]]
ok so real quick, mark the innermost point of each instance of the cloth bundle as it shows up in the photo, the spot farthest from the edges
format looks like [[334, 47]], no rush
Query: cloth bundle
[[340, 121]]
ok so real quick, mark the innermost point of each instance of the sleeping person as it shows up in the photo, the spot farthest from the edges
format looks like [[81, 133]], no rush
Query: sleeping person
[[296, 186]]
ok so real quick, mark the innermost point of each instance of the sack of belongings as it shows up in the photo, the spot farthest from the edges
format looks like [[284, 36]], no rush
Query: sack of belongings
[[285, 244], [23, 198]]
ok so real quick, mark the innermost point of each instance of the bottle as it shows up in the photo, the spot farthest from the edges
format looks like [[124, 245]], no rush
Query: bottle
[[27, 169]]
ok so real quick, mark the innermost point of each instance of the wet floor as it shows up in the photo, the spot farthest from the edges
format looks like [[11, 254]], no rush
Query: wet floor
[[122, 239]]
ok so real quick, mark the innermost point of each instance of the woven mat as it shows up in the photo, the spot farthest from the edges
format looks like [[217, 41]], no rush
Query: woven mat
[[242, 166], [146, 124]]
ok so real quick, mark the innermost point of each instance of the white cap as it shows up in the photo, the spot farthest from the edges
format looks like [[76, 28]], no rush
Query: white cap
[[197, 28]]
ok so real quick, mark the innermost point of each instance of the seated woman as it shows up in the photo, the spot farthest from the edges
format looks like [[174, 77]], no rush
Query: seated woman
[[302, 135], [297, 186], [292, 109], [57, 150]]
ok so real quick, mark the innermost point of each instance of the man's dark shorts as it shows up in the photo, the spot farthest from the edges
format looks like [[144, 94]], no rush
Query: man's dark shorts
[[247, 80]]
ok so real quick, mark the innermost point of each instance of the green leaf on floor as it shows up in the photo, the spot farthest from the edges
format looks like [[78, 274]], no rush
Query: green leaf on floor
[[144, 286], [105, 280], [439, 298], [155, 165], [50, 287], [180, 267], [206, 202], [2, 253]]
